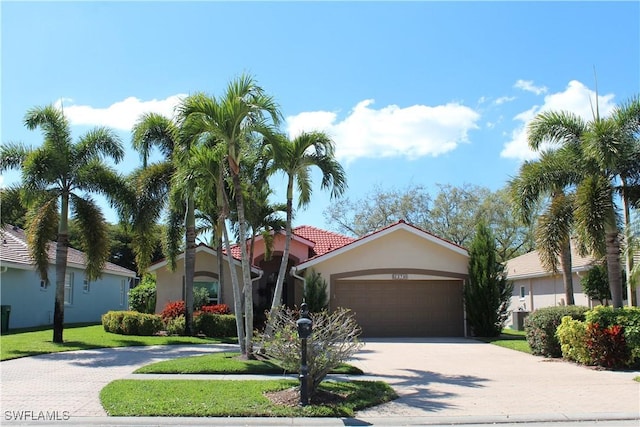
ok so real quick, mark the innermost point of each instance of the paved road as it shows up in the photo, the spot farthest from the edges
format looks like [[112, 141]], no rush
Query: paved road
[[439, 381]]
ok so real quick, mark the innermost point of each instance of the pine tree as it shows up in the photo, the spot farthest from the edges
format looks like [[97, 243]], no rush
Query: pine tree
[[487, 292]]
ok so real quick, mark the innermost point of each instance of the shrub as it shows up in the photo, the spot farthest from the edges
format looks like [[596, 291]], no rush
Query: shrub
[[215, 325], [607, 346], [131, 323], [176, 325], [541, 325], [172, 310], [142, 298], [216, 309], [596, 284], [200, 297], [315, 294], [627, 317], [334, 340], [572, 336]]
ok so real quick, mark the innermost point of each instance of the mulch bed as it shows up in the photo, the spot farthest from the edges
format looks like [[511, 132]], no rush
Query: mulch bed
[[291, 397]]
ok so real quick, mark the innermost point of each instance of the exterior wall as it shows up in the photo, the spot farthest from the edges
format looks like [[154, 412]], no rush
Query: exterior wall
[[32, 305], [297, 250], [170, 284], [546, 291], [395, 252]]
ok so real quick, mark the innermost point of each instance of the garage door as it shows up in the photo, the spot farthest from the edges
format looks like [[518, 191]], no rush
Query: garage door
[[403, 308]]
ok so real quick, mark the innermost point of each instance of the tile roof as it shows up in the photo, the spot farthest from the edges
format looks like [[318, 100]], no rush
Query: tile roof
[[325, 241], [14, 249], [529, 265]]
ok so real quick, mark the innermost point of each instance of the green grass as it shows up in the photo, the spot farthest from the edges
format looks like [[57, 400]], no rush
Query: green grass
[[80, 337], [511, 339], [220, 398], [224, 363], [637, 379]]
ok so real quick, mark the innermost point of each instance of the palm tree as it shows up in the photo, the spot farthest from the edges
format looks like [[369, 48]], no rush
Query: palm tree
[[243, 112], [609, 157], [295, 158], [56, 180], [158, 187], [551, 176]]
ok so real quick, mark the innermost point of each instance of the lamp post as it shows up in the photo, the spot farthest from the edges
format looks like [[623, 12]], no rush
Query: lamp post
[[305, 327]]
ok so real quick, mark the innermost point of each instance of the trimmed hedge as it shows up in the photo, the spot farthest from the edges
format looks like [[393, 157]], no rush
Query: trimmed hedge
[[541, 325], [215, 325], [131, 323]]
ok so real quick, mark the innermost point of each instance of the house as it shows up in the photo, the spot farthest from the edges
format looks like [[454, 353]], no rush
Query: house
[[399, 281], [534, 287], [170, 285], [32, 300]]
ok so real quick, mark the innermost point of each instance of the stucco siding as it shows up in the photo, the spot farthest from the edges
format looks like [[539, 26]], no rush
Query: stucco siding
[[546, 291], [169, 284], [400, 249]]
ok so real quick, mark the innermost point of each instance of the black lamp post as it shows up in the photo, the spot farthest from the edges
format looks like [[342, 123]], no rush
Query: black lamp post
[[305, 327]]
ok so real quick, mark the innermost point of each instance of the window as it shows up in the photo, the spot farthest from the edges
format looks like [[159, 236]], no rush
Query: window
[[523, 292], [123, 291], [86, 286], [212, 287], [43, 285], [68, 288]]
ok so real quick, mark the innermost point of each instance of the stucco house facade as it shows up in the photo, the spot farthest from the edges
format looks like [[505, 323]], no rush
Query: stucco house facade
[[399, 281], [32, 300], [534, 287]]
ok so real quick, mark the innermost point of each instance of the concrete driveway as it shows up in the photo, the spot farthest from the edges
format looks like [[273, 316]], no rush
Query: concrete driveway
[[456, 380]]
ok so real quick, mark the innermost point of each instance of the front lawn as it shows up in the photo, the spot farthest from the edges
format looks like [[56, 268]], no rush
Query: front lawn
[[20, 344], [511, 339], [224, 363], [219, 398]]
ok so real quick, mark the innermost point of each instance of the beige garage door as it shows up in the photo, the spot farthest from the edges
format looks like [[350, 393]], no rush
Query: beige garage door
[[403, 308]]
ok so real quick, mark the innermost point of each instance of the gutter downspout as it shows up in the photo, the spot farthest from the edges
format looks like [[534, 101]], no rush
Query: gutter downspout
[[293, 271]]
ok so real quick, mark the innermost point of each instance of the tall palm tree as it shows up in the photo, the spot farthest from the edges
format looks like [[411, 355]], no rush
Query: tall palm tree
[[608, 158], [295, 158], [56, 180], [549, 177], [241, 113], [158, 187]]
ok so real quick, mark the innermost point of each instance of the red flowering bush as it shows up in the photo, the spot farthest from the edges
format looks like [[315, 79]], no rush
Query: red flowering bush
[[607, 347], [172, 310], [216, 309]]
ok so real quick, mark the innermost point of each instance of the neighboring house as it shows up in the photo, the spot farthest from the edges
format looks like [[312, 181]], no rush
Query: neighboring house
[[400, 281], [32, 300], [534, 287]]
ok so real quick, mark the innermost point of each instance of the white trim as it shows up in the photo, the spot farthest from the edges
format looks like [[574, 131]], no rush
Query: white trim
[[376, 235]]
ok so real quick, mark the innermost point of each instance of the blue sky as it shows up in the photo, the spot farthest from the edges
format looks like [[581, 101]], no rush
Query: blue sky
[[413, 93]]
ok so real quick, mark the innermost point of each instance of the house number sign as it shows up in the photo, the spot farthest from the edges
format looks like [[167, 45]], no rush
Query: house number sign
[[399, 276]]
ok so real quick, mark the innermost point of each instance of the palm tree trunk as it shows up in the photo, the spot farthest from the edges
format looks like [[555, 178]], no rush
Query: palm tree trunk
[[189, 265], [277, 294], [237, 297], [628, 264], [246, 268], [62, 248], [567, 278], [613, 266]]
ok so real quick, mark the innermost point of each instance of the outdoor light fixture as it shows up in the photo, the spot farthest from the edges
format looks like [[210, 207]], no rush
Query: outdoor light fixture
[[305, 328]]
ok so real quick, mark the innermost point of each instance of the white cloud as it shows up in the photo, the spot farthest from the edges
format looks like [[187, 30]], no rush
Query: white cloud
[[391, 131], [527, 85], [120, 115], [576, 98], [504, 99]]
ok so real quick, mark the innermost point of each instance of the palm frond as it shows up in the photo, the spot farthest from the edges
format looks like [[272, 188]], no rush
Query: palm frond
[[100, 143], [12, 155], [94, 234], [41, 229], [564, 128]]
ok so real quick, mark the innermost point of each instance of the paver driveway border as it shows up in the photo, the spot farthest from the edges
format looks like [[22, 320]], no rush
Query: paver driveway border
[[438, 380]]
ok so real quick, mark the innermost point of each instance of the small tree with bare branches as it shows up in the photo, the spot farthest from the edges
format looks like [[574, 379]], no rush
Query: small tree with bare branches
[[334, 340]]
